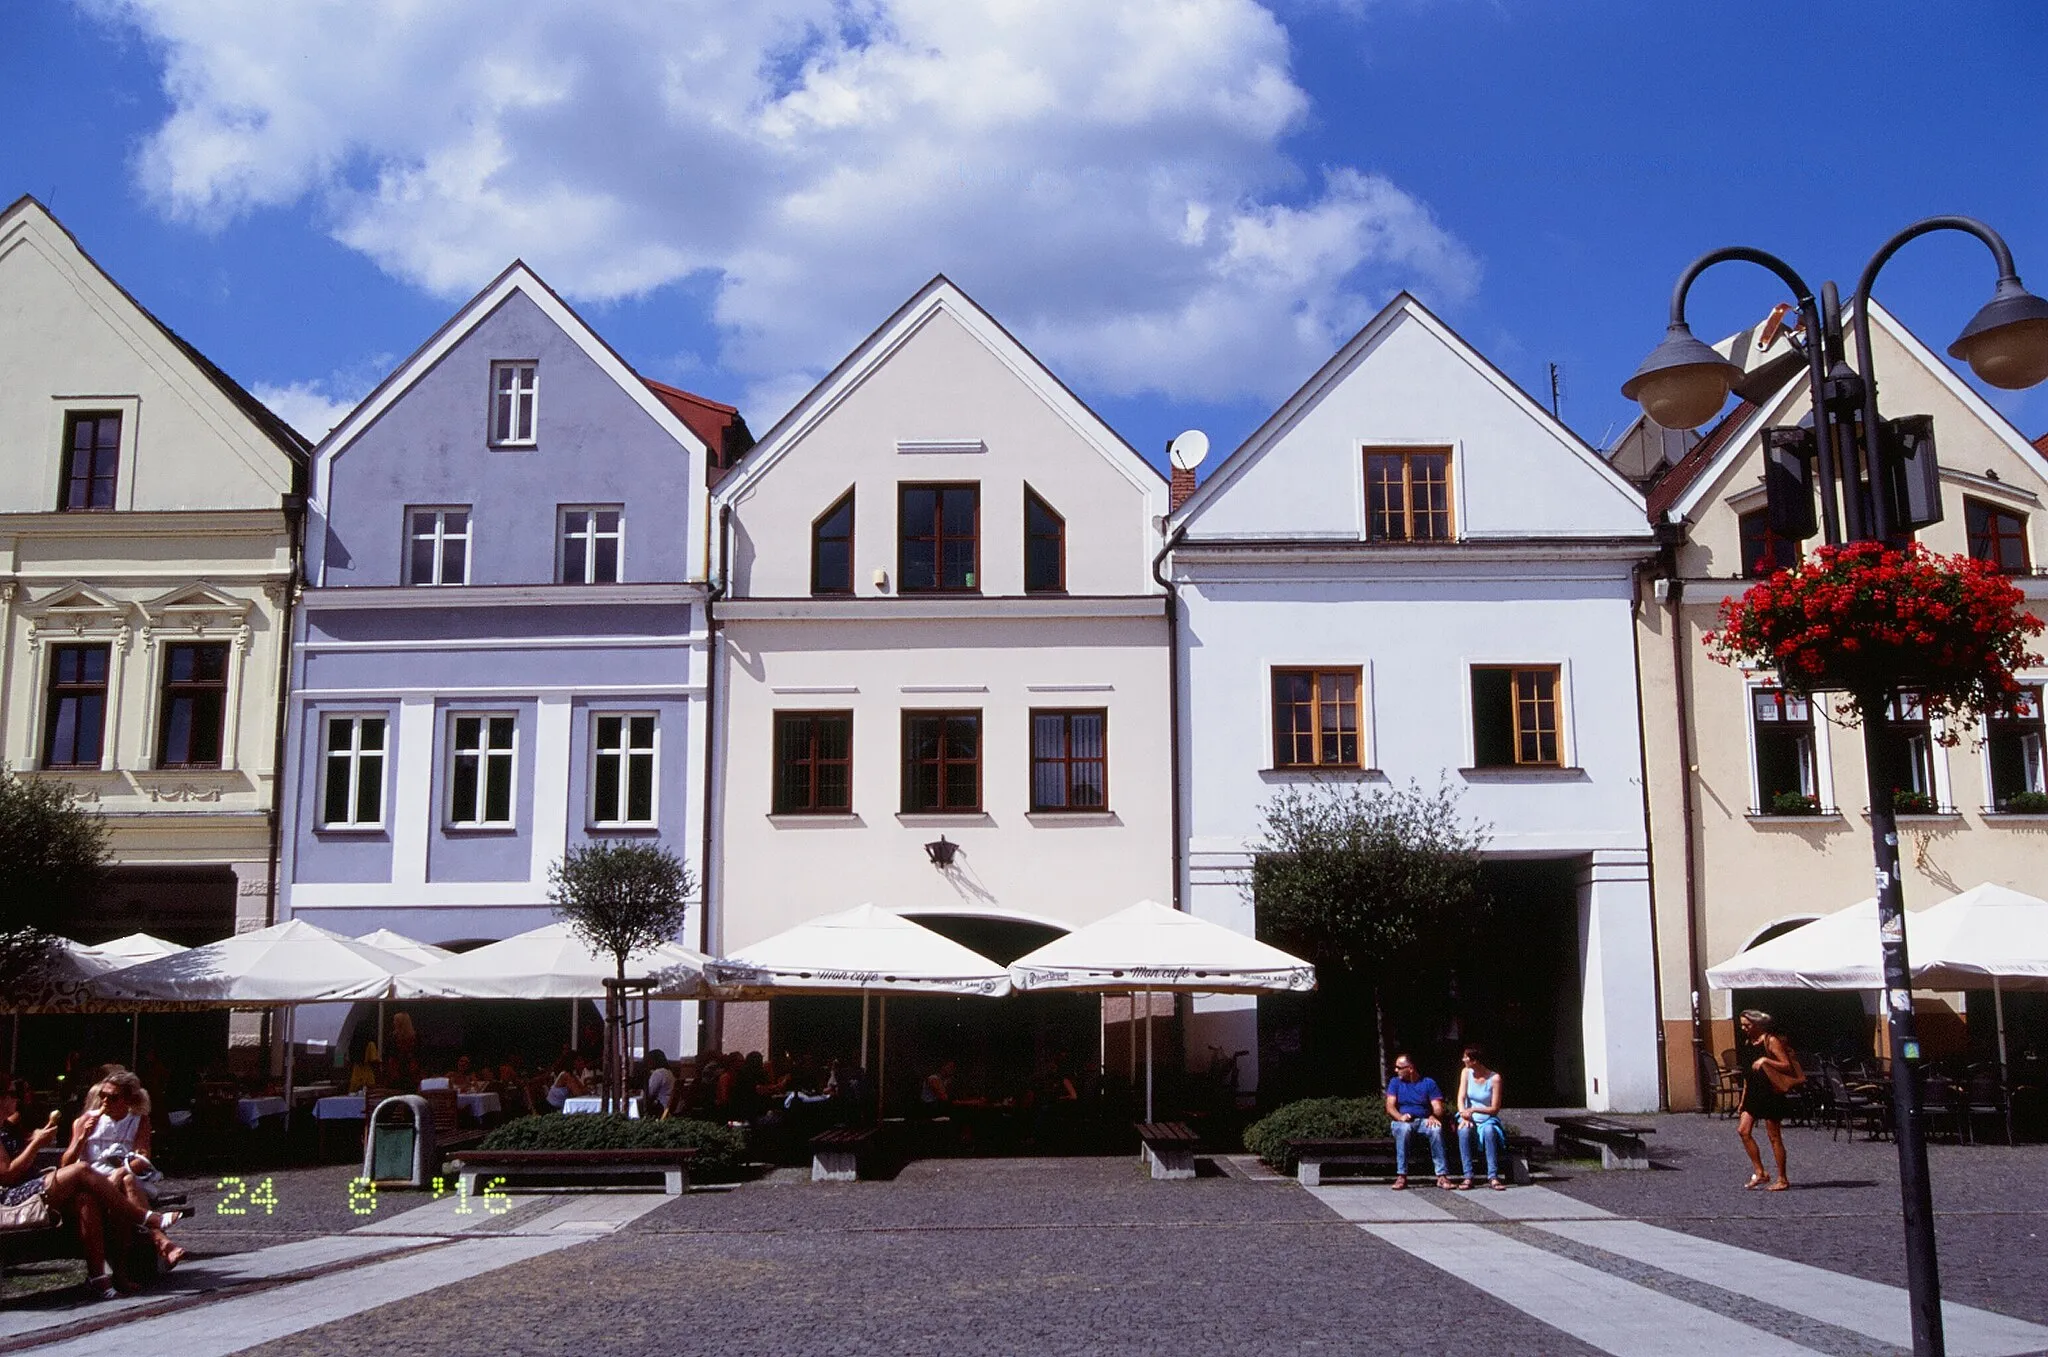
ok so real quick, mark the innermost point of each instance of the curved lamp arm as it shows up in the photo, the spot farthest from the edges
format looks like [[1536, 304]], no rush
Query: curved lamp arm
[[1743, 254]]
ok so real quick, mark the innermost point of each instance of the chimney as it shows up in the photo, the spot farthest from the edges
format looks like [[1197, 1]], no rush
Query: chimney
[[1180, 488]]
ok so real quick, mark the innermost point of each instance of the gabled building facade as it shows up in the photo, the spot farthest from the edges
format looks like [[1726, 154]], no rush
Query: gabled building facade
[[147, 546], [1759, 800], [1412, 572], [941, 654], [500, 654]]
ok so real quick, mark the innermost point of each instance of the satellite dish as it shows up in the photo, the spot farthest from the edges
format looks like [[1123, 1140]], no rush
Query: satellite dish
[[1187, 451]]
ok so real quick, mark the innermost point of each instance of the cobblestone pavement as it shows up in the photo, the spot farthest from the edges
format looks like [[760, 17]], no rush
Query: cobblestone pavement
[[1088, 1255]]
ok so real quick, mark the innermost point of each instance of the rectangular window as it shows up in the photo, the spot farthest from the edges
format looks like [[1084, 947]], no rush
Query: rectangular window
[[439, 546], [622, 769], [1315, 718], [1408, 495], [75, 718], [1069, 760], [480, 752], [1045, 547], [1997, 535], [352, 780], [832, 549], [92, 457], [1764, 553], [593, 536], [939, 543], [1907, 749], [1782, 723], [515, 396], [813, 763], [941, 761], [195, 700], [2013, 740], [1515, 716]]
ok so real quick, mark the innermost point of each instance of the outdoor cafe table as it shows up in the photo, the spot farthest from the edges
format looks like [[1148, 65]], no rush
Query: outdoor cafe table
[[349, 1106], [250, 1111], [596, 1104]]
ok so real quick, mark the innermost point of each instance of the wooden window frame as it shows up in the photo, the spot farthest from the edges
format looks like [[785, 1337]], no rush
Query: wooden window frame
[[938, 538], [845, 501], [943, 762], [173, 690], [1068, 760], [590, 536], [504, 414], [627, 754], [440, 537], [1784, 722], [103, 464], [61, 691], [782, 801], [488, 757], [1407, 455], [1985, 540], [1317, 733], [1519, 712], [351, 759], [1032, 497]]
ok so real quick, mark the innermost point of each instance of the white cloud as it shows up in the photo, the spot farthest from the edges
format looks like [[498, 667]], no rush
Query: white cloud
[[306, 406], [1111, 180]]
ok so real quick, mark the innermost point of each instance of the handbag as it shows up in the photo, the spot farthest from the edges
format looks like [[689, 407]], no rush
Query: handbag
[[1785, 1080], [32, 1214]]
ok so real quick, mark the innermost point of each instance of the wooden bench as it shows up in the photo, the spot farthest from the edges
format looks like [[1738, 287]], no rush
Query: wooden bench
[[1311, 1157], [835, 1154], [575, 1165], [1169, 1148], [1619, 1144]]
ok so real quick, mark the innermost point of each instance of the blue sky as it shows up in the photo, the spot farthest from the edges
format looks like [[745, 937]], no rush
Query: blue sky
[[1183, 206]]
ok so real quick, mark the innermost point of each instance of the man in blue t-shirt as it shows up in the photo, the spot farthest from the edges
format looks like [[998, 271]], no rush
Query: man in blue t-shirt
[[1415, 1105]]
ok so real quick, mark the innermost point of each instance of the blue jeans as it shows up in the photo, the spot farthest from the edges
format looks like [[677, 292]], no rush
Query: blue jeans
[[1430, 1130], [1487, 1131]]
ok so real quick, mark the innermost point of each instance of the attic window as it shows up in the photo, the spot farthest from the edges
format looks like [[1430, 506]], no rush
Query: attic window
[[92, 451], [1408, 494], [515, 401]]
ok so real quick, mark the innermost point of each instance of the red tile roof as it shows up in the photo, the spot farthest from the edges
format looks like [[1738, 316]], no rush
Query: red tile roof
[[1673, 484], [2041, 445], [722, 428]]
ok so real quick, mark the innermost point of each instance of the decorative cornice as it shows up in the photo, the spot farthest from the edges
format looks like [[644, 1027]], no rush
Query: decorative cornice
[[927, 609], [436, 598], [265, 522]]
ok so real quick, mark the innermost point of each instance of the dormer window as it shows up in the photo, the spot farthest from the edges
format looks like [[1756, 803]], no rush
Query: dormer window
[[1408, 494], [1045, 547], [515, 400]]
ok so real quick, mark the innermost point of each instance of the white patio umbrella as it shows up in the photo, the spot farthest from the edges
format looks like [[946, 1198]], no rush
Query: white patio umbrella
[[137, 948], [1987, 933], [423, 953], [281, 966], [1836, 951], [1149, 948], [549, 962], [860, 951]]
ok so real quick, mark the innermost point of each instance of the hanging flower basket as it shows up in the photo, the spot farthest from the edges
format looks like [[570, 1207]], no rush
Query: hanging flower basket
[[1866, 619]]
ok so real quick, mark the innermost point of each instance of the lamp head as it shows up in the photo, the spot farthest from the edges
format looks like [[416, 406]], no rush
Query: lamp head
[[1683, 383], [2006, 343]]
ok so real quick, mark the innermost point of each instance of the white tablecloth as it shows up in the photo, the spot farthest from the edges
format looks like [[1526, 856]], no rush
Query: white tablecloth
[[340, 1107], [597, 1105], [479, 1105], [252, 1110]]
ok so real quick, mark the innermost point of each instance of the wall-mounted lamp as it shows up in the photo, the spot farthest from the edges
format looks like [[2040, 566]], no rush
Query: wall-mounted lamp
[[941, 851]]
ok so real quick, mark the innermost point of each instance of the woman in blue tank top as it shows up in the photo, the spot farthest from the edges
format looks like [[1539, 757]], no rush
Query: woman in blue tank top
[[1479, 1094]]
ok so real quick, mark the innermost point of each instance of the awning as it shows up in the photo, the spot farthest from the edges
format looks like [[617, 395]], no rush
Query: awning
[[550, 962], [863, 950], [1152, 948]]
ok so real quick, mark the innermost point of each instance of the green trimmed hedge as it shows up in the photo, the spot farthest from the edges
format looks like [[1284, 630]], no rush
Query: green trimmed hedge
[[1314, 1119], [721, 1150]]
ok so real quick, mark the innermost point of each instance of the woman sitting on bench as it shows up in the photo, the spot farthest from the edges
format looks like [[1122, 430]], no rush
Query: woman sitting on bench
[[1479, 1118], [29, 1200]]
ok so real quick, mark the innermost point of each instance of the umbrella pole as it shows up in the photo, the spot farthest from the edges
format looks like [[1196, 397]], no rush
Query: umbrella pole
[[862, 1062], [2004, 1084], [572, 1025], [1148, 1055], [882, 1058], [290, 1014]]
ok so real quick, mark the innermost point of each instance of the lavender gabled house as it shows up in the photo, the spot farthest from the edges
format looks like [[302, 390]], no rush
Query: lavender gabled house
[[501, 646]]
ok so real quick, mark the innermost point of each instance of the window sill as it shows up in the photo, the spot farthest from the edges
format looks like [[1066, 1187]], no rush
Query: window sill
[[1901, 816], [1530, 773], [1318, 772], [530, 445], [469, 831], [623, 827], [351, 831], [2014, 817], [944, 817], [1073, 817], [1774, 819], [816, 819]]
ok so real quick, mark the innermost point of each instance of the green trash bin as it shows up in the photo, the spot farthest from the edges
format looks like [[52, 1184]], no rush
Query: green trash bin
[[400, 1148]]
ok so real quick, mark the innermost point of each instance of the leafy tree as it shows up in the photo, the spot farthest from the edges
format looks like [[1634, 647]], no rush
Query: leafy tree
[[53, 853], [1368, 881], [621, 897]]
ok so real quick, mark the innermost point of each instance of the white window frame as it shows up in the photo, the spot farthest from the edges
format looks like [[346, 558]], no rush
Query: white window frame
[[441, 537], [1984, 753], [354, 755], [626, 754], [1937, 769], [591, 536], [526, 392], [484, 756], [1823, 751]]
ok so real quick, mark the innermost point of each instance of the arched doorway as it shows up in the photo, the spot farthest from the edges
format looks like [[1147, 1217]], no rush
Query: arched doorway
[[1830, 1024]]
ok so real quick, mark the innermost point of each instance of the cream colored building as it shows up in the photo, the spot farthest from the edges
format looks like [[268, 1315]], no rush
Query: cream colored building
[[146, 562], [938, 625], [1727, 757]]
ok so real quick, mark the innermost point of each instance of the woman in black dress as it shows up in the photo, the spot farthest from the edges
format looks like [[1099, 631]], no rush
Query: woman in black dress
[[1770, 1054]]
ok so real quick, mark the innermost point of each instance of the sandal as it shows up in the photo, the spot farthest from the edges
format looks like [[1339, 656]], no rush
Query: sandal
[[1465, 1186], [1400, 1182], [1496, 1184], [163, 1220], [1781, 1185], [102, 1287], [1756, 1180], [1443, 1181]]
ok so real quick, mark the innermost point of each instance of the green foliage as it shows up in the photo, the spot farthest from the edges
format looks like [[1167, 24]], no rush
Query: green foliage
[[721, 1150], [621, 897], [1905, 802], [1353, 878], [1314, 1119], [53, 852], [2026, 803], [1794, 803]]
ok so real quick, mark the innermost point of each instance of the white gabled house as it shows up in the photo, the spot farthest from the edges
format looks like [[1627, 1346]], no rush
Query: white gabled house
[[1411, 571]]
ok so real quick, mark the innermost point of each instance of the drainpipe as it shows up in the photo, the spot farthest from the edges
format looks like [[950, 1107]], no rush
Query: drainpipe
[[711, 596], [294, 508], [1656, 934], [1173, 700], [1682, 710]]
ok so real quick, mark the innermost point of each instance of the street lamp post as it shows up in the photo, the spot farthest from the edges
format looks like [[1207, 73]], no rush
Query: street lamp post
[[1873, 479]]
